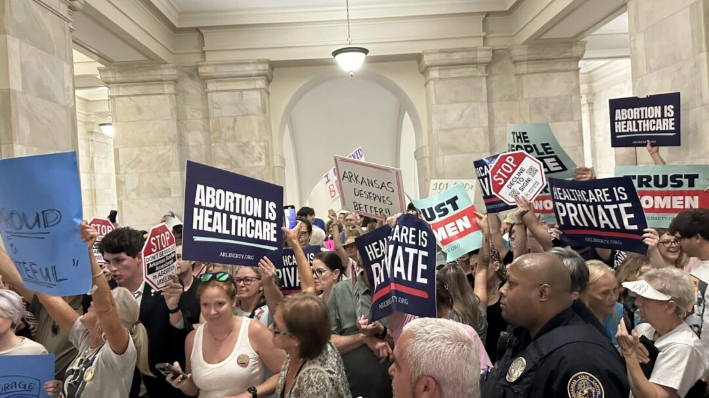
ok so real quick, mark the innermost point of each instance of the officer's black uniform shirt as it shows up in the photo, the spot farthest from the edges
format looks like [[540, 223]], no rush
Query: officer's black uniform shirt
[[567, 358]]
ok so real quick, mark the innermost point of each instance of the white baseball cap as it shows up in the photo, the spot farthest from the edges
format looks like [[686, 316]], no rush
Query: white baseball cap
[[642, 288]]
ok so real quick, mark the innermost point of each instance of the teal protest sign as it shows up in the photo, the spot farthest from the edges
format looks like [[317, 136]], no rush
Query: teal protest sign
[[665, 191], [538, 140]]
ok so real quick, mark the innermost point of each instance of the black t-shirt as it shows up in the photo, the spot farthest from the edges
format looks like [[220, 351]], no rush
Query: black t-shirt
[[495, 325], [509, 258], [189, 303]]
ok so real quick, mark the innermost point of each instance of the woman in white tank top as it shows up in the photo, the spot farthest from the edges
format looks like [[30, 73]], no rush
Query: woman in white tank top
[[228, 354]]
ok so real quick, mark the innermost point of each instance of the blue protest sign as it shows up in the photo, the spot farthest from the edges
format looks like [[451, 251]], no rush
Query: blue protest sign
[[604, 213], [23, 376], [401, 266], [452, 218], [634, 120], [230, 218], [538, 140], [287, 270], [40, 212], [493, 204]]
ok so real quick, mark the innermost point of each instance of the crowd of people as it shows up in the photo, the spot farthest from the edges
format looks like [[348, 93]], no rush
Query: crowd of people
[[522, 316]]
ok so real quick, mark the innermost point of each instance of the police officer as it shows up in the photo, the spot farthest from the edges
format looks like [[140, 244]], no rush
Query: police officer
[[553, 352]]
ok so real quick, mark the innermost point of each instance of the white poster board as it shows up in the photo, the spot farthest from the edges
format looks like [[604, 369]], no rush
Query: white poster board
[[438, 186], [370, 189]]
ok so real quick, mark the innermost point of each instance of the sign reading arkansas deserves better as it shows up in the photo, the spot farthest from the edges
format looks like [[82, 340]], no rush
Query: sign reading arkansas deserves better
[[230, 218], [539, 141], [665, 191], [370, 189], [603, 213], [635, 120]]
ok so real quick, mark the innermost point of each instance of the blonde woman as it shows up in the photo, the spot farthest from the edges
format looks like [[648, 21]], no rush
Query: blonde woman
[[601, 296]]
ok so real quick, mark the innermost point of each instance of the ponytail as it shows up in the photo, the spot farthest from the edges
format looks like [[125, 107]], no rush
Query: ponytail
[[140, 340]]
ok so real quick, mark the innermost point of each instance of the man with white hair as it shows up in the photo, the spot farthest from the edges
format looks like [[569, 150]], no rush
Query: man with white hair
[[435, 358]]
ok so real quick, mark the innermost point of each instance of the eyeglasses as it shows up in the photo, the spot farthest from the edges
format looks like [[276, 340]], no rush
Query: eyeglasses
[[247, 281], [220, 276], [281, 333], [668, 243], [320, 271]]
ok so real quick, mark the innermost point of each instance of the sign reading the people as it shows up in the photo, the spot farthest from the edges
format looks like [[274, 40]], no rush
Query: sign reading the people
[[538, 140], [230, 218], [40, 212], [288, 270], [517, 174], [103, 227], [451, 215], [370, 189], [159, 256], [603, 213], [401, 267], [635, 120], [330, 178], [665, 191]]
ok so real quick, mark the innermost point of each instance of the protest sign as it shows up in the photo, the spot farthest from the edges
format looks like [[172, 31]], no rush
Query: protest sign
[[452, 217], [493, 204], [230, 218], [517, 174], [288, 270], [23, 376], [665, 191], [330, 178], [103, 227], [370, 189], [40, 212], [159, 256], [538, 140], [603, 213], [635, 120], [438, 186], [401, 266]]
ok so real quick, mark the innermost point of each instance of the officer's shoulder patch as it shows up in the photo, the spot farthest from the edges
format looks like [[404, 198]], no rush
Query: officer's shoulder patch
[[585, 385]]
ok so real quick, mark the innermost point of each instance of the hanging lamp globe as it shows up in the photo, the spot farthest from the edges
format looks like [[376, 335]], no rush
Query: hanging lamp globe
[[350, 59]]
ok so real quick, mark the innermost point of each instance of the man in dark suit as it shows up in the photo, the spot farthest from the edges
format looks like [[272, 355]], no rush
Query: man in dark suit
[[160, 312]]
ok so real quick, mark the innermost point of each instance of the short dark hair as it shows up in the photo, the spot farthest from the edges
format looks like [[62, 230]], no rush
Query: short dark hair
[[411, 207], [307, 223], [690, 223], [122, 240], [306, 316], [305, 211], [177, 229], [331, 260]]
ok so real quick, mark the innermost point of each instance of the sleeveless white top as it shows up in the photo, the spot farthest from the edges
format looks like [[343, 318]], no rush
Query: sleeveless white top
[[242, 368]]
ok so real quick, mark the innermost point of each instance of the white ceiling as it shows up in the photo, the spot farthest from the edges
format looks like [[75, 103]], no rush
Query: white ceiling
[[213, 5], [617, 25]]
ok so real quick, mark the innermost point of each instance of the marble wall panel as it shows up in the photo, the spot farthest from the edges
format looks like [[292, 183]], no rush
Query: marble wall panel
[[53, 128], [144, 108], [38, 26], [146, 160], [145, 133], [453, 116], [147, 185], [237, 103], [460, 91]]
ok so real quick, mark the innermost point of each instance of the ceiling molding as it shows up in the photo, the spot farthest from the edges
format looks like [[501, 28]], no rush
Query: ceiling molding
[[168, 9]]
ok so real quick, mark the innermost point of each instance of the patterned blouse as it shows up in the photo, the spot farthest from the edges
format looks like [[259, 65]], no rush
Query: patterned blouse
[[322, 377]]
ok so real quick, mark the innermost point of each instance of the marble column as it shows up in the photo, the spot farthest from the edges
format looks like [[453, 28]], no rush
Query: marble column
[[37, 110], [240, 117], [668, 49], [146, 144], [457, 104]]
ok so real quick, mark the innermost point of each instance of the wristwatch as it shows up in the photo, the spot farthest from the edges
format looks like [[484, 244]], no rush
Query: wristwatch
[[383, 334], [252, 391], [175, 311]]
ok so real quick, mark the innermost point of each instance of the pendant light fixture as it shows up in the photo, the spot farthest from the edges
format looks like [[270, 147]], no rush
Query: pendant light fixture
[[350, 58], [107, 128]]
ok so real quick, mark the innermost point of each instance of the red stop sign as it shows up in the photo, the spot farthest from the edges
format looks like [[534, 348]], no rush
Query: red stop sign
[[517, 174], [159, 256], [103, 227]]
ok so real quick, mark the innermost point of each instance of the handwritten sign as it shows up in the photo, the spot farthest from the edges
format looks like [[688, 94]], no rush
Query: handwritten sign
[[40, 212], [230, 218], [635, 120], [665, 191], [604, 213], [451, 215], [23, 376], [288, 270], [538, 140], [330, 178], [370, 189], [438, 186]]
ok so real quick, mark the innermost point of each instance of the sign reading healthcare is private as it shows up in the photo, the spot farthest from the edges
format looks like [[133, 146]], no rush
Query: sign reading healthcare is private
[[636, 120], [230, 218]]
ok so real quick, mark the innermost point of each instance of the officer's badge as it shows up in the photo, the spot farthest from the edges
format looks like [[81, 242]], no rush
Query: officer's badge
[[516, 369], [585, 385]]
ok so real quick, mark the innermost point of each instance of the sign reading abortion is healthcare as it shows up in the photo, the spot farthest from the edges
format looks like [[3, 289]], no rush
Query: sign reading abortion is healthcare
[[230, 218], [636, 120], [604, 213]]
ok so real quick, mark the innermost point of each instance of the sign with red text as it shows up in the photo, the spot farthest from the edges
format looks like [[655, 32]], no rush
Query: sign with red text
[[370, 189], [517, 174], [451, 215], [330, 178], [159, 256], [103, 227]]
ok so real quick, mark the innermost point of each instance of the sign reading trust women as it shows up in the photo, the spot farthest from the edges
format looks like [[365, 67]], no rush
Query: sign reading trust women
[[370, 189], [604, 213], [401, 266], [40, 212], [230, 218], [635, 120]]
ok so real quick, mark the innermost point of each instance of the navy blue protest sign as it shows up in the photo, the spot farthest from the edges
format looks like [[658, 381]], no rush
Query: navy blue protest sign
[[493, 204], [604, 213], [404, 279], [635, 120], [287, 270], [230, 218]]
